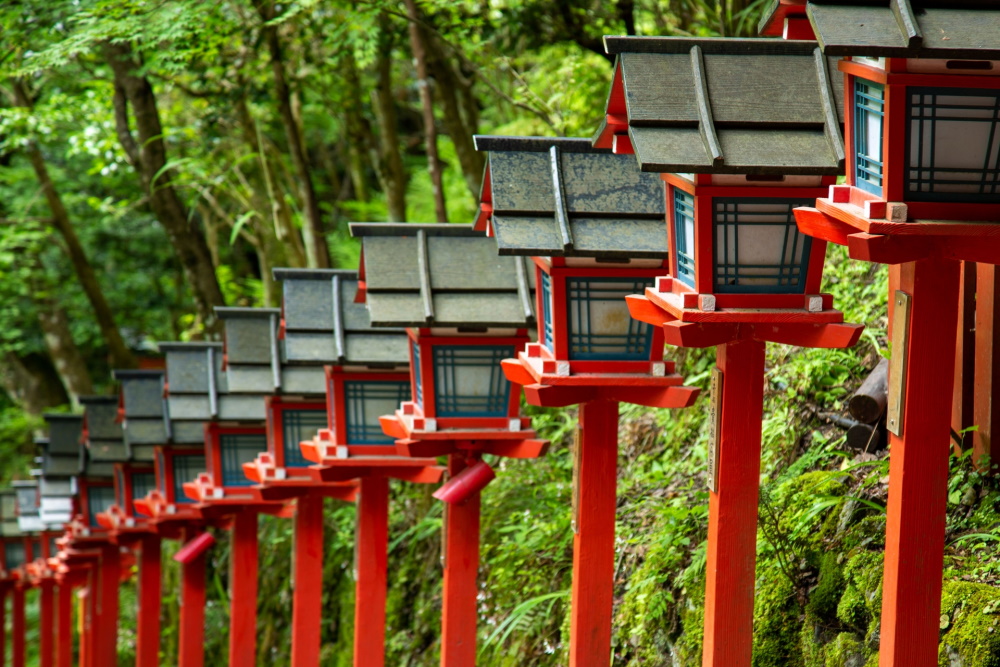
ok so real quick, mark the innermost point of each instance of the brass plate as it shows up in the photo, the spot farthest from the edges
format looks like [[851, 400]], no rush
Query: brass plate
[[714, 424], [897, 362]]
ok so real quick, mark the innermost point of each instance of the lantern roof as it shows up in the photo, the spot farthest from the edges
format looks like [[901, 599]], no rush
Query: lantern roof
[[102, 434], [562, 197], [441, 275], [946, 29], [723, 105], [143, 411], [198, 391], [65, 431], [323, 323]]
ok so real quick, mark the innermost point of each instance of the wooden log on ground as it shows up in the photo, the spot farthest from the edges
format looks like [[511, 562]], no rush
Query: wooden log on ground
[[868, 403], [866, 437]]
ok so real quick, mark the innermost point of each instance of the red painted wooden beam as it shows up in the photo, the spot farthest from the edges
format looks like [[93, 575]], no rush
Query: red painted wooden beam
[[307, 597], [732, 522], [918, 471], [243, 591], [962, 404], [191, 651], [461, 565], [147, 652], [105, 625], [3, 624], [46, 623], [594, 535], [17, 628], [370, 588], [986, 411], [64, 625]]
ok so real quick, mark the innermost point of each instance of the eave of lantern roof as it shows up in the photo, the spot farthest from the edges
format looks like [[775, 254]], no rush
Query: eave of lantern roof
[[441, 275], [233, 312], [946, 29], [563, 197], [136, 374], [740, 106], [771, 22]]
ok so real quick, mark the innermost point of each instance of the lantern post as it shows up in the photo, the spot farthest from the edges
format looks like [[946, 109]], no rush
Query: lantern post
[[921, 196], [592, 224], [12, 559], [144, 425], [366, 376], [190, 395], [753, 131], [223, 493], [465, 310]]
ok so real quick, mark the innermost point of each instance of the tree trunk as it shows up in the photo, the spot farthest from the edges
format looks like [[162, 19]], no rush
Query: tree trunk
[[391, 173], [418, 39], [121, 356], [65, 354], [317, 252], [461, 116], [149, 156], [357, 131], [31, 382]]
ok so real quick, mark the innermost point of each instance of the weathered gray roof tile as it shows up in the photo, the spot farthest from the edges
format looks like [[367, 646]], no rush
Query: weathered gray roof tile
[[441, 275], [730, 105], [544, 192]]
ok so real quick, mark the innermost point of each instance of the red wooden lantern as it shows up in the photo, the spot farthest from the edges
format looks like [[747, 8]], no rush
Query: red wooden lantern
[[746, 147], [920, 90], [465, 310], [593, 225], [366, 377]]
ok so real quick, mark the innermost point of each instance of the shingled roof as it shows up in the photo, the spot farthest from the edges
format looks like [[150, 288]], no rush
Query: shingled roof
[[956, 29], [740, 106], [563, 197], [441, 275], [323, 324], [145, 422]]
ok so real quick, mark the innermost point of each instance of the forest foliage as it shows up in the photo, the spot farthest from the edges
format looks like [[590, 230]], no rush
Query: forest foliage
[[159, 158]]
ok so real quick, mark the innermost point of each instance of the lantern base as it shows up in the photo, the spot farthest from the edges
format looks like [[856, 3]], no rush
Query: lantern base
[[550, 383], [217, 502], [124, 530], [849, 217], [803, 328], [332, 467], [519, 443], [168, 519]]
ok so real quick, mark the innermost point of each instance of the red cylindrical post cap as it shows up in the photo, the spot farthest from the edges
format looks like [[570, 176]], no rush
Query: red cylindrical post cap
[[194, 548], [466, 484]]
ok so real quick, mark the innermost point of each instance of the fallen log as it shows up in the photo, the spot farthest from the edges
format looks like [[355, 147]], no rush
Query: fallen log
[[868, 403]]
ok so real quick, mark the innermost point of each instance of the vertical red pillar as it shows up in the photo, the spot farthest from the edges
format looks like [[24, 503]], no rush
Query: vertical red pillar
[[918, 471], [595, 482], [46, 624], [369, 596], [243, 591], [147, 650], [191, 650], [64, 624], [965, 358], [732, 522], [84, 615], [3, 624], [105, 625], [461, 565], [17, 628], [307, 598]]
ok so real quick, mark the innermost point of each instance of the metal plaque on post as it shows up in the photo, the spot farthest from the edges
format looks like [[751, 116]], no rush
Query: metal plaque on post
[[897, 362], [714, 418]]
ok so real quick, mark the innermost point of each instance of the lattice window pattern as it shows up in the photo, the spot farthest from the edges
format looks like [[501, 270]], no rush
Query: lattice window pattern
[[415, 361], [366, 401], [547, 334], [758, 247], [186, 469], [954, 146], [469, 381], [684, 236], [99, 499], [600, 327], [237, 449], [13, 554], [869, 114], [296, 426]]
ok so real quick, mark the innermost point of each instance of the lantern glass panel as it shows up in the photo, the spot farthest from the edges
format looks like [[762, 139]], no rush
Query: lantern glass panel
[[758, 246], [954, 145], [237, 449], [296, 426], [468, 381], [160, 469], [547, 334], [869, 112], [8, 505], [142, 484], [99, 499], [684, 236], [13, 554], [53, 549], [415, 365], [119, 487], [366, 401], [600, 327], [27, 500], [186, 469]]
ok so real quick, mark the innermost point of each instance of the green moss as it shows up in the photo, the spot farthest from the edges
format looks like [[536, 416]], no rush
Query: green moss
[[825, 597], [845, 651], [970, 614], [777, 617]]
